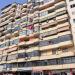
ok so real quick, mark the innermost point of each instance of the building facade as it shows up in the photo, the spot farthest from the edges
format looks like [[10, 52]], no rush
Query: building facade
[[38, 38]]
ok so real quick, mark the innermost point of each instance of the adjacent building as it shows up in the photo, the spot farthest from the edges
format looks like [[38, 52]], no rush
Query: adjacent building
[[38, 38]]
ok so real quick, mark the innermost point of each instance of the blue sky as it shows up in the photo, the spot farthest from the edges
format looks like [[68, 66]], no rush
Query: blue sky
[[6, 2]]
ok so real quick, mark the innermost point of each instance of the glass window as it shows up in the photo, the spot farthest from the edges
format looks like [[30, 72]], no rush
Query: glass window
[[54, 51], [73, 5], [30, 29], [8, 27], [7, 43], [12, 57], [35, 53], [71, 0], [45, 1], [9, 31], [23, 26], [11, 43], [52, 62], [73, 59], [51, 10], [44, 43], [4, 58], [21, 55], [60, 6], [16, 41], [24, 19], [0, 57], [64, 38], [74, 20], [66, 60], [17, 28], [36, 28], [22, 32], [43, 13], [2, 45]]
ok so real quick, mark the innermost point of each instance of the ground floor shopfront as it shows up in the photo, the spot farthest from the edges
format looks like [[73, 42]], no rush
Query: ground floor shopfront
[[42, 72]]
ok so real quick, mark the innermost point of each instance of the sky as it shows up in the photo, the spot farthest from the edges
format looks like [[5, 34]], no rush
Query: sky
[[6, 2]]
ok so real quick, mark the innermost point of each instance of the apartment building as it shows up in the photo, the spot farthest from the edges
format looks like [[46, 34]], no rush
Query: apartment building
[[38, 38]]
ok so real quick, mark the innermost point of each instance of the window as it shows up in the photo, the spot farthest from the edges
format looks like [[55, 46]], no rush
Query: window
[[12, 57], [2, 45], [51, 10], [4, 58], [43, 13], [73, 59], [60, 6], [66, 60], [52, 62], [72, 6], [54, 51], [14, 65], [65, 49], [21, 55], [22, 32], [11, 43], [74, 20], [45, 1], [16, 41], [17, 28], [8, 27], [9, 31], [49, 33], [71, 0], [64, 38], [36, 28], [30, 29], [7, 43], [34, 53], [23, 26], [0, 58], [44, 43]]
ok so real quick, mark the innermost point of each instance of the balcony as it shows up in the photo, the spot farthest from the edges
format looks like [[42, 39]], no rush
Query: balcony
[[12, 49], [48, 16], [61, 10], [49, 29], [36, 20], [12, 57], [22, 43], [21, 51], [63, 24], [5, 22], [49, 67], [59, 18], [48, 33], [2, 37], [64, 33], [12, 61], [32, 41], [7, 36], [49, 24], [60, 44], [21, 60], [32, 49], [34, 58], [24, 9], [46, 5], [64, 29], [60, 3], [1, 28], [6, 9]]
